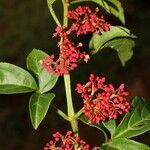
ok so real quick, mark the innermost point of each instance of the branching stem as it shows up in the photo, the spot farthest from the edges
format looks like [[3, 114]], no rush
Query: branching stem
[[70, 107]]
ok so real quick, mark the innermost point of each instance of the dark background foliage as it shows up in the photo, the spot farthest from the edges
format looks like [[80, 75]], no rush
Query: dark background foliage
[[25, 25]]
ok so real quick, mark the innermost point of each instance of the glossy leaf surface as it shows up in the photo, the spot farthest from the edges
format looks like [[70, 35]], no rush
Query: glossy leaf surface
[[110, 125], [117, 38], [38, 107], [124, 144], [135, 122], [46, 80], [14, 79]]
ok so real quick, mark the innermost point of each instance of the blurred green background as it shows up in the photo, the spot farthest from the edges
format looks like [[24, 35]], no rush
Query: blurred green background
[[25, 25]]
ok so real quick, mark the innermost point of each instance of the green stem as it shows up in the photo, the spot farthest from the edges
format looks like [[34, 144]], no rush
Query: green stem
[[65, 8], [70, 108], [61, 113], [53, 12], [78, 113]]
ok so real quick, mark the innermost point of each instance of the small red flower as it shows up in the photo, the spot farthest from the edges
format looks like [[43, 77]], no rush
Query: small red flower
[[68, 57], [102, 101], [67, 142], [86, 20]]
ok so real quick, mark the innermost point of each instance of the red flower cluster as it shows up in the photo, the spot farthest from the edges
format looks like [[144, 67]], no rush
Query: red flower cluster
[[102, 101], [87, 21], [70, 54], [68, 57], [67, 142]]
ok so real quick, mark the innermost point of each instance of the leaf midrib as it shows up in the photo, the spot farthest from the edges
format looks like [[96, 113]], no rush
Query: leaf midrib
[[18, 85], [130, 128], [41, 90]]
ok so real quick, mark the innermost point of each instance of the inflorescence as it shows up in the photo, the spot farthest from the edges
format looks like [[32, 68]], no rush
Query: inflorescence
[[102, 101], [85, 21], [67, 142]]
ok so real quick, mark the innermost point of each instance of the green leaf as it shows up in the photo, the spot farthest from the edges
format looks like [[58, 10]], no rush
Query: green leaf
[[114, 7], [118, 38], [99, 126], [110, 125], [102, 3], [84, 119], [38, 107], [124, 144], [124, 47], [98, 41], [33, 61], [108, 147], [14, 79], [46, 80], [135, 122]]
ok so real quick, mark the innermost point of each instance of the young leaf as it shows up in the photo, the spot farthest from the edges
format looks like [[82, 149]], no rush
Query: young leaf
[[110, 125], [124, 144], [114, 7], [46, 80], [38, 107], [135, 122], [14, 79], [118, 38]]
